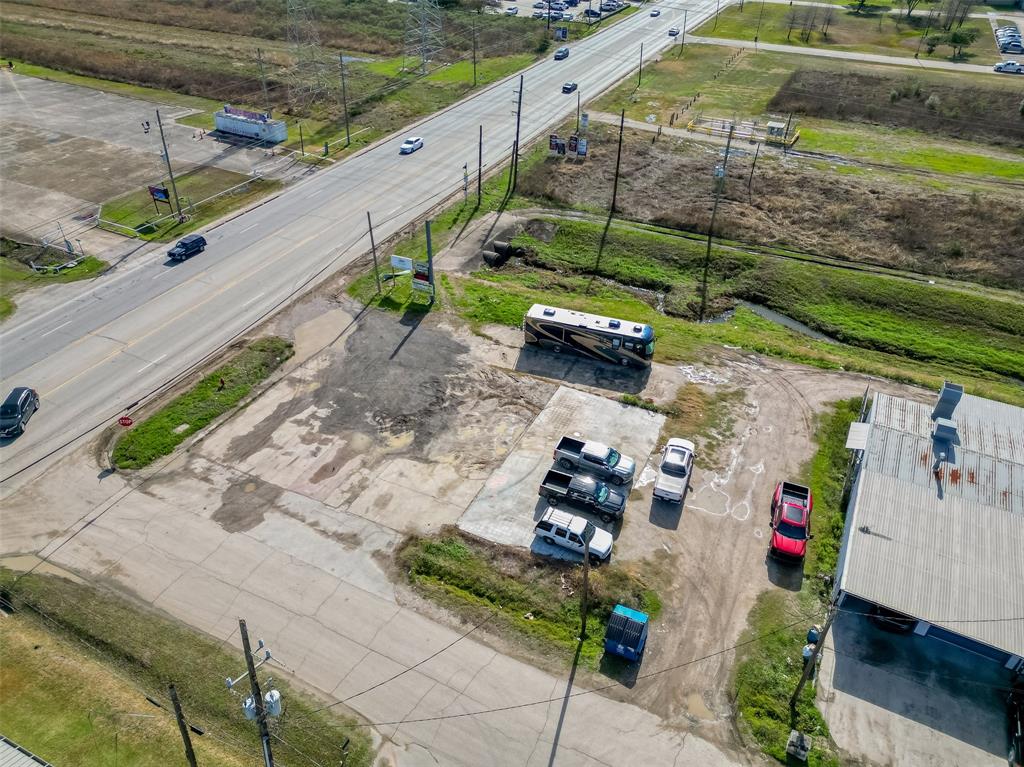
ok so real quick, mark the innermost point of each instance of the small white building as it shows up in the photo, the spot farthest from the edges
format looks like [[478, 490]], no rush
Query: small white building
[[251, 125]]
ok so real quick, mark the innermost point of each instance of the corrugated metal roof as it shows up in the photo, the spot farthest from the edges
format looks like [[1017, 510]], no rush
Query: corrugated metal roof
[[12, 755], [945, 547]]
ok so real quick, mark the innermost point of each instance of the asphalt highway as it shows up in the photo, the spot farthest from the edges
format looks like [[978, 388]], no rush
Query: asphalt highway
[[151, 319]]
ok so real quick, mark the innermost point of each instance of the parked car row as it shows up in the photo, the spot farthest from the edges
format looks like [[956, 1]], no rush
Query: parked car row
[[1009, 40], [587, 474]]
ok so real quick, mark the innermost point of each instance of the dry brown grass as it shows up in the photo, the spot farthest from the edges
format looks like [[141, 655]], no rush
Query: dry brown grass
[[879, 218]]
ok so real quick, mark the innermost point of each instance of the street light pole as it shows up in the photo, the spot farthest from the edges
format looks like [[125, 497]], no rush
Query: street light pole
[[344, 98], [640, 74], [167, 158]]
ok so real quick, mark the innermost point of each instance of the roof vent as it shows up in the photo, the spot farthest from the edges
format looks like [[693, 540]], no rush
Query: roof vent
[[949, 396], [945, 431], [549, 312], [637, 328], [613, 323]]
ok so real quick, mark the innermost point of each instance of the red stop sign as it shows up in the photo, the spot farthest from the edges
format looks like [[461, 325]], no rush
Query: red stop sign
[[125, 420]]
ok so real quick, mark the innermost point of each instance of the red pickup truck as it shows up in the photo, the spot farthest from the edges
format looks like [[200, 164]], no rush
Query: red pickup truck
[[791, 521]]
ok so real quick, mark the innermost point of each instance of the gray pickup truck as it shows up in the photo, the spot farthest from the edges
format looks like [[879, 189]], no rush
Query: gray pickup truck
[[595, 458], [607, 503]]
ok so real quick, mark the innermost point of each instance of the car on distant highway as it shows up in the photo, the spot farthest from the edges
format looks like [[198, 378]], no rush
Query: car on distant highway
[[655, 12], [1010, 67], [673, 32], [19, 406], [561, 53], [410, 145], [569, 87]]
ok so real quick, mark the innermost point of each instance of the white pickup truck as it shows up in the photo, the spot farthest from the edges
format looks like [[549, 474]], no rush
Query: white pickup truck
[[674, 470], [1009, 67]]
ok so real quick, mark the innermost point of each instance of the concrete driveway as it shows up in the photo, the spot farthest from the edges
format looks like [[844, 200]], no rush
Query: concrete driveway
[[65, 149], [910, 700], [507, 507]]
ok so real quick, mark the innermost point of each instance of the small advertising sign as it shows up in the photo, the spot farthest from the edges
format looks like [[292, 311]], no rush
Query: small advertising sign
[[401, 263], [581, 147], [553, 142], [573, 143], [561, 33], [257, 116], [160, 193], [421, 276], [584, 121]]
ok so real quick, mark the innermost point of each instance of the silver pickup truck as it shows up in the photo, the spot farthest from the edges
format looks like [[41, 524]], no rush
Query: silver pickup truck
[[595, 458]]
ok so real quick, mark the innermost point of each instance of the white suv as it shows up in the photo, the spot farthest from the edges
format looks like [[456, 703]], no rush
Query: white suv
[[560, 528]]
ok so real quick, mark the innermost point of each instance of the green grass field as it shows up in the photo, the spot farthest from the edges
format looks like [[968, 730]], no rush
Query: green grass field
[[883, 33], [508, 589], [136, 212], [158, 434], [742, 91], [16, 276], [77, 663]]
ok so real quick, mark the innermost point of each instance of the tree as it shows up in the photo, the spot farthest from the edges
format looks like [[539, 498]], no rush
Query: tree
[[826, 20], [810, 16], [793, 18], [960, 38], [910, 5]]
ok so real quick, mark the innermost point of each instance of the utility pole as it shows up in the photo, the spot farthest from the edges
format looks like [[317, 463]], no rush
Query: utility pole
[[577, 110], [718, 5], [720, 172], [257, 696], [302, 143], [584, 594], [373, 249], [167, 158], [430, 263], [750, 180], [682, 39], [190, 755], [618, 162], [474, 53], [344, 98], [515, 151], [640, 74], [760, 16], [480, 169], [811, 662], [263, 80]]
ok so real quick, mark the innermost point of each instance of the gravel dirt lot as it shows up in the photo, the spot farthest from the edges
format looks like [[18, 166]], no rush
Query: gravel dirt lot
[[288, 512]]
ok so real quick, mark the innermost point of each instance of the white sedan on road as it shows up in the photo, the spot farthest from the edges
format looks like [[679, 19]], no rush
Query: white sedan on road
[[410, 145]]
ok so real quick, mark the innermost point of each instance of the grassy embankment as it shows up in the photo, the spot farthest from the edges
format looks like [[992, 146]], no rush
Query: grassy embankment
[[840, 29], [535, 599], [17, 276], [767, 671], [158, 434], [135, 211], [76, 667]]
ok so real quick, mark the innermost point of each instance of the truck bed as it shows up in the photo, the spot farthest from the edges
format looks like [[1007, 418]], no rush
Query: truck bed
[[570, 445], [795, 494], [557, 481]]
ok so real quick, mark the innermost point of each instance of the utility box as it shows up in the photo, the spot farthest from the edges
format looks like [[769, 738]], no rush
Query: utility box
[[251, 125], [627, 633]]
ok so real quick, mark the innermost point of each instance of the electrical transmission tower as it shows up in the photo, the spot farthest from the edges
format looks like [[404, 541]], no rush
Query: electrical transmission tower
[[424, 37], [310, 75]]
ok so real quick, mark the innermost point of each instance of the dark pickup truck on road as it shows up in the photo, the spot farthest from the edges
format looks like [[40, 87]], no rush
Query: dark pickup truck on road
[[607, 503]]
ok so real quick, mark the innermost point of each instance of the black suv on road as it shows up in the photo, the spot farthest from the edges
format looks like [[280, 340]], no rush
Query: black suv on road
[[187, 246], [16, 410]]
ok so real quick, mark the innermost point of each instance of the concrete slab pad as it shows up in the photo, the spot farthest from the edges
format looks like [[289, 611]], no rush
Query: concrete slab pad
[[508, 506]]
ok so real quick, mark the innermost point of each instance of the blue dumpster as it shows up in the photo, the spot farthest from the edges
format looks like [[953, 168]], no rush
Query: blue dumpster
[[627, 633]]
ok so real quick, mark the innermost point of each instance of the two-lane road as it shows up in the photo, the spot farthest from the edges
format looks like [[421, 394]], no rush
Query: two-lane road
[[141, 326]]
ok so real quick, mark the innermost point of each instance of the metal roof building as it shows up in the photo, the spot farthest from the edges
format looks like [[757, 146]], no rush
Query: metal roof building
[[935, 522]]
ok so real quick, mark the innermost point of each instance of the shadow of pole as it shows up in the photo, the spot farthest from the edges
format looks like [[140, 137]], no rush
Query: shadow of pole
[[565, 703], [600, 250]]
